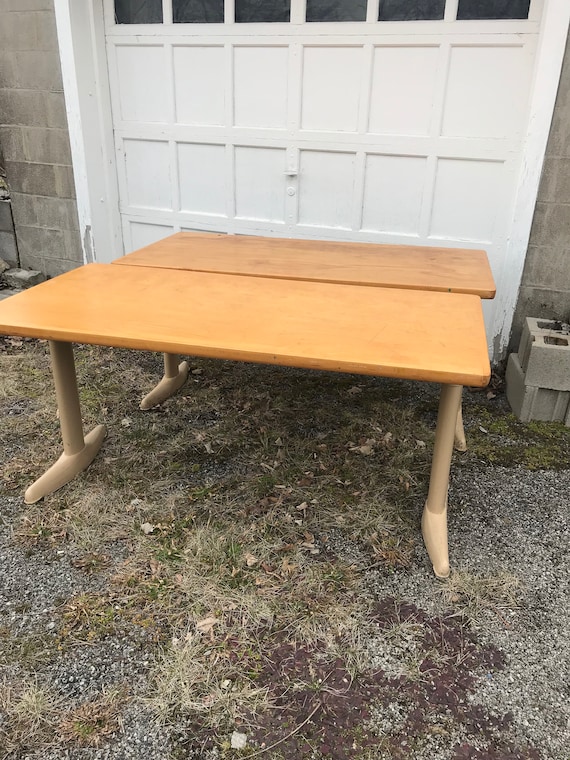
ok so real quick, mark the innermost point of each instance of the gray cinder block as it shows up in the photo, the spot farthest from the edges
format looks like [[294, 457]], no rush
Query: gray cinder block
[[6, 222], [531, 403], [22, 278], [544, 354]]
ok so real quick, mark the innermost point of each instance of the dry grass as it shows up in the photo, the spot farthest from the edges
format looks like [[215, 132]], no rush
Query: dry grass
[[470, 594], [94, 722], [211, 520], [30, 714]]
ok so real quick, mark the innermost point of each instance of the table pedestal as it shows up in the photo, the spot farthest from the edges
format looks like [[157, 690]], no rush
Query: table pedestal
[[78, 451]]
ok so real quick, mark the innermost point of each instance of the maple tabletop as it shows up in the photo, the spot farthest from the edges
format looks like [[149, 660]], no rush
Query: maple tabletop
[[455, 270], [418, 335]]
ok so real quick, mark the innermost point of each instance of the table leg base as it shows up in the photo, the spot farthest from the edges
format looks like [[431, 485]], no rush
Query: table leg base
[[166, 388], [66, 467], [434, 530]]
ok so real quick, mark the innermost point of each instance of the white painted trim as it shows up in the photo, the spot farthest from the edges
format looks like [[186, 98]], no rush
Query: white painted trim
[[71, 90], [86, 87], [549, 59]]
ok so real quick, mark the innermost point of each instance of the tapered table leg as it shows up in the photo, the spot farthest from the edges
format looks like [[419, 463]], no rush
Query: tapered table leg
[[78, 452], [460, 442], [434, 520], [175, 376]]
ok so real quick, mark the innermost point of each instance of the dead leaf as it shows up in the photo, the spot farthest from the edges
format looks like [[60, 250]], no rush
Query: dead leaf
[[354, 390], [288, 568], [147, 528], [206, 625], [126, 422], [250, 560]]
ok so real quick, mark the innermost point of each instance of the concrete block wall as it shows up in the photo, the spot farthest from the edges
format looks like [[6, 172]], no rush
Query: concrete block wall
[[8, 245], [545, 287], [35, 140]]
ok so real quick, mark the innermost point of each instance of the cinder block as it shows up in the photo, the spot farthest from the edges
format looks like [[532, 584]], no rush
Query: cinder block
[[46, 145], [36, 70], [40, 211], [12, 143], [35, 179], [32, 240], [6, 221], [27, 107], [531, 403], [8, 248], [544, 354], [56, 115], [64, 182], [22, 278], [55, 267], [18, 31]]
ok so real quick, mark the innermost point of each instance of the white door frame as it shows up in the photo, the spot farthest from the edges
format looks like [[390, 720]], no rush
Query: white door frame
[[82, 50], [81, 34]]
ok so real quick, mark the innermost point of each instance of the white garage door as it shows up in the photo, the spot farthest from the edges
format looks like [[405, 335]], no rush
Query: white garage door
[[388, 120]]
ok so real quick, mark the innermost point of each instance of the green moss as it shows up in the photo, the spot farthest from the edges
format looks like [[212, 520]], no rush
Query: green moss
[[500, 438]]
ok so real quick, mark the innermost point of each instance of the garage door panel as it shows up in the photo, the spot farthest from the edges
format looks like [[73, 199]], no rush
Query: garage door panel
[[260, 86], [199, 84], [142, 72], [403, 88], [393, 194], [260, 183], [202, 178], [144, 233], [468, 199], [326, 189], [331, 88], [487, 91], [147, 174]]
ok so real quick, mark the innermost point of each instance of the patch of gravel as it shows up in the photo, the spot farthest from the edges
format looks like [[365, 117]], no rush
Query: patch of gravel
[[514, 520], [30, 590], [142, 737]]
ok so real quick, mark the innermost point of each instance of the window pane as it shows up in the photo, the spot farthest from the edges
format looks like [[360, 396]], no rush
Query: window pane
[[411, 10], [138, 11], [262, 10], [472, 9], [198, 11], [336, 10]]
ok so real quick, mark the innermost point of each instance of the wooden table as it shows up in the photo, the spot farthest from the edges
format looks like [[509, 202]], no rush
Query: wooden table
[[418, 335], [449, 270]]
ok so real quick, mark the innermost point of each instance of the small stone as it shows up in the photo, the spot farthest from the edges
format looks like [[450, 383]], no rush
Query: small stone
[[22, 278], [238, 741]]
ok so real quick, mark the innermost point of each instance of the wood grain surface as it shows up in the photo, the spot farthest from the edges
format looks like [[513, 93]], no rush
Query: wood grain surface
[[378, 331], [455, 270]]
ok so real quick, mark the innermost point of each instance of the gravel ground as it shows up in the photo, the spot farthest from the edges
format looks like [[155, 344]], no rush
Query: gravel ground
[[501, 519]]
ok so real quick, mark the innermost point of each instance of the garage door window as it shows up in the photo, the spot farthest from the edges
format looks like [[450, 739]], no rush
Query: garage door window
[[492, 9], [197, 12], [257, 11], [138, 11], [341, 10], [403, 10]]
